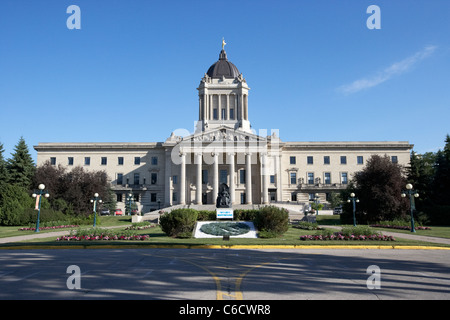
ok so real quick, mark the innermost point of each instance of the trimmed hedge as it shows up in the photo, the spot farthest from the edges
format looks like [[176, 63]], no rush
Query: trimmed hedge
[[270, 221], [179, 223]]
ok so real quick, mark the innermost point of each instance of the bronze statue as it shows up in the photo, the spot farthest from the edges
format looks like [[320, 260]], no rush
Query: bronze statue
[[223, 198]]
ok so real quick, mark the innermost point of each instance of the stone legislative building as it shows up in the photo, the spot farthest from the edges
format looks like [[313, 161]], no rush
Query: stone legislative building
[[188, 168]]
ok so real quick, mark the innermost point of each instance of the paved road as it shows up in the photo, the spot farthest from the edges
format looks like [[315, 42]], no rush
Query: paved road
[[228, 274]]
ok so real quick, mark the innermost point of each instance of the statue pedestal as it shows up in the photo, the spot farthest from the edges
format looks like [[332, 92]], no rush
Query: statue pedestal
[[224, 213]]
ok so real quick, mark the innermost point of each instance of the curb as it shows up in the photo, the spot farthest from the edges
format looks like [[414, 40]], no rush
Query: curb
[[249, 247]]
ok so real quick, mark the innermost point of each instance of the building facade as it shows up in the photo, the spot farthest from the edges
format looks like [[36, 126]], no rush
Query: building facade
[[188, 168]]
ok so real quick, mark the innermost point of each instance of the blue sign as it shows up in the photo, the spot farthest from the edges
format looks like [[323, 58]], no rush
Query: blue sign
[[224, 213]]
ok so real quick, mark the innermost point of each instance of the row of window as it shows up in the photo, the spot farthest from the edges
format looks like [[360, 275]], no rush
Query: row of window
[[104, 161], [343, 159], [154, 160], [223, 177], [137, 178], [311, 180], [136, 197]]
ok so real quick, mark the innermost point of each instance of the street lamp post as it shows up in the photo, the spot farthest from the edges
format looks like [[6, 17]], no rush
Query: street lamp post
[[353, 199], [129, 199], [412, 194], [94, 200], [40, 192], [316, 201]]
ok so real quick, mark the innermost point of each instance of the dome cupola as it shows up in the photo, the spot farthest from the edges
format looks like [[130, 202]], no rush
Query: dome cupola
[[223, 68]]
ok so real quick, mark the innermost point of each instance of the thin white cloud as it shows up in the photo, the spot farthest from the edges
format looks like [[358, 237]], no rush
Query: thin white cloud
[[393, 70]]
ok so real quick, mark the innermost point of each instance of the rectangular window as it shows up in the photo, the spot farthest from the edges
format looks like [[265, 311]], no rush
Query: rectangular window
[[232, 114], [243, 198], [70, 161], [394, 159], [120, 178], [294, 196], [311, 196], [87, 161], [326, 159], [215, 115], [174, 197], [136, 178], [241, 176], [120, 161], [359, 160], [343, 159], [53, 161], [152, 197], [175, 180], [154, 161], [310, 177], [292, 160], [272, 179], [104, 161], [154, 178], [327, 177], [293, 177], [344, 178], [119, 197], [223, 176], [137, 160], [204, 176], [309, 160]]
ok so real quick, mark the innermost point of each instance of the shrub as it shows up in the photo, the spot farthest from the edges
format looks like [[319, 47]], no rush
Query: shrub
[[245, 215], [206, 215], [358, 231], [272, 221], [179, 222]]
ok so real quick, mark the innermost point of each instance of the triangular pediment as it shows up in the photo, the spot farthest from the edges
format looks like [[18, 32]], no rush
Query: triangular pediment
[[223, 134]]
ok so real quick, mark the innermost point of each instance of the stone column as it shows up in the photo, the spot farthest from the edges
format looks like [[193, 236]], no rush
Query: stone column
[[231, 169], [264, 176], [228, 107], [219, 107], [168, 179], [198, 191], [215, 177], [248, 177], [278, 177], [183, 178]]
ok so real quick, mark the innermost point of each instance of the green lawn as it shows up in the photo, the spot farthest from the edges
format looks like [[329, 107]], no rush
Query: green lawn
[[157, 237], [105, 221]]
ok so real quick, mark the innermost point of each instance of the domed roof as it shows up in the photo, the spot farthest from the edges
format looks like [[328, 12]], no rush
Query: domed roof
[[223, 68]]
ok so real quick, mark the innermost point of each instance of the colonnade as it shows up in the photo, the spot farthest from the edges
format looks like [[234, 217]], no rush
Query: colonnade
[[235, 106], [231, 171]]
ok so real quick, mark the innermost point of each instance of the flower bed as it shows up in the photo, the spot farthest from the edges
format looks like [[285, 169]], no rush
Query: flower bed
[[340, 236], [398, 227], [101, 234], [102, 237], [49, 228]]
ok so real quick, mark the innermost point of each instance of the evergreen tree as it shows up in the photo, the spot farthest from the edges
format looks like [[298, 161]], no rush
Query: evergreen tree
[[421, 174], [3, 169], [21, 167], [441, 183]]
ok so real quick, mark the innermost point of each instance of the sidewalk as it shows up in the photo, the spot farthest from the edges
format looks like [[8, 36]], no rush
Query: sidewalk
[[43, 235]]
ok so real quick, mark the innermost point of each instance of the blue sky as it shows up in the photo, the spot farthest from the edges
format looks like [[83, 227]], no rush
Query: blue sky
[[316, 71]]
